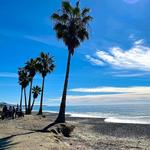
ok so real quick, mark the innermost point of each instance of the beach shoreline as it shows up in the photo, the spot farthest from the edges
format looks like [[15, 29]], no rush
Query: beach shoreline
[[89, 134]]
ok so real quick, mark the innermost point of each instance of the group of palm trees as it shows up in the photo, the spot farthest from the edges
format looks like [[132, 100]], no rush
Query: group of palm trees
[[43, 65], [71, 25]]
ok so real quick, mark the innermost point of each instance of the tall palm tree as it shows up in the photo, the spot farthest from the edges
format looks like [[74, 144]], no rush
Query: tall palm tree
[[21, 95], [23, 81], [71, 25], [31, 68], [36, 90], [45, 65]]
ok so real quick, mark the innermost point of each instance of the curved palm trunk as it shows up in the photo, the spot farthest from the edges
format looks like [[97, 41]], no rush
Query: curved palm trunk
[[29, 102], [21, 98], [25, 97], [41, 102], [61, 115], [32, 104]]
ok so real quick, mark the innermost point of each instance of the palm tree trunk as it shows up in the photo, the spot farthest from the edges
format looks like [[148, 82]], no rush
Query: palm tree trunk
[[25, 97], [21, 98], [61, 115], [29, 102], [41, 102], [32, 104]]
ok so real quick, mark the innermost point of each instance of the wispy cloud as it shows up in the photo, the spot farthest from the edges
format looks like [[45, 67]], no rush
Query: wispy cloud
[[48, 40], [131, 1], [94, 61], [8, 75], [105, 98], [134, 89], [44, 40], [112, 95], [8, 85], [128, 74], [135, 58], [139, 42]]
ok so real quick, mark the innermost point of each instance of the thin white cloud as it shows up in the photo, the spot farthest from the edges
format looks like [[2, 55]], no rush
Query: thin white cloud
[[134, 89], [129, 74], [44, 40], [8, 75], [132, 37], [105, 98], [94, 61], [139, 42], [8, 85], [95, 96], [48, 40], [135, 58], [131, 1], [15, 75]]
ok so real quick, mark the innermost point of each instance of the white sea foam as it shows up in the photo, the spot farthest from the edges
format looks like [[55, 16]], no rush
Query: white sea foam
[[115, 118], [84, 115], [92, 115], [132, 120]]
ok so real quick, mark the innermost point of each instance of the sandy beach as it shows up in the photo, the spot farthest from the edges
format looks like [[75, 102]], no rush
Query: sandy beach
[[89, 134]]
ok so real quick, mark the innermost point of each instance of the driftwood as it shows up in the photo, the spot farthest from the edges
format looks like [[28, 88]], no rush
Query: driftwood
[[62, 128]]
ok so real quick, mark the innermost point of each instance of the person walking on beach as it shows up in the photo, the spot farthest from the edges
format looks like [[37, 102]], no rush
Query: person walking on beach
[[17, 111], [4, 112], [10, 111], [13, 112]]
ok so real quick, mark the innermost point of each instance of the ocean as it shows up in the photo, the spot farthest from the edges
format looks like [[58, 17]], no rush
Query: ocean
[[123, 113]]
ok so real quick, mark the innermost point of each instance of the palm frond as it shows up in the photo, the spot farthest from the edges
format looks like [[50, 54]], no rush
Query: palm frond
[[66, 7], [83, 34], [78, 3], [55, 16], [85, 11], [86, 19]]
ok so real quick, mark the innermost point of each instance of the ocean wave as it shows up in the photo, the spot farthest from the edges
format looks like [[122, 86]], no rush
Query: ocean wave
[[84, 115], [115, 118], [131, 120]]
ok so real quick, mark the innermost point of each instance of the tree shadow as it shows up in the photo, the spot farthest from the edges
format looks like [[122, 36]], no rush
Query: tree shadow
[[6, 143]]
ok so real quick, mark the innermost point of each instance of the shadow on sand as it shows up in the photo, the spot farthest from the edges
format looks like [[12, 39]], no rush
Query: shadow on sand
[[6, 143]]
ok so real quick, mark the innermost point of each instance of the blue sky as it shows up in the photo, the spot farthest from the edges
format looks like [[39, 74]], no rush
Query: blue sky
[[112, 67]]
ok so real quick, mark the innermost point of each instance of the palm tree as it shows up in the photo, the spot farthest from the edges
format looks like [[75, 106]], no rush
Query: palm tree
[[36, 90], [45, 65], [31, 68], [19, 76], [71, 25], [23, 81]]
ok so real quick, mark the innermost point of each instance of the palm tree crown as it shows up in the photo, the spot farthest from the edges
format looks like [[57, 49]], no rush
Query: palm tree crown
[[23, 77], [45, 64], [31, 67], [36, 91], [23, 81], [71, 25]]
